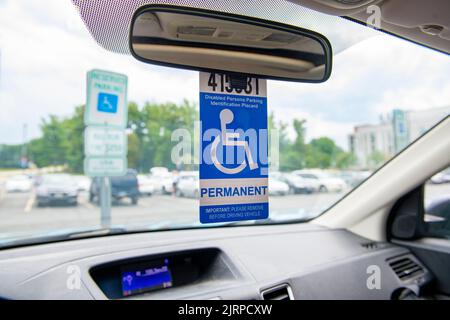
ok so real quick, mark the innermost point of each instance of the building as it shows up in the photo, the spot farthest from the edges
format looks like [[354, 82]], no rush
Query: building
[[373, 144]]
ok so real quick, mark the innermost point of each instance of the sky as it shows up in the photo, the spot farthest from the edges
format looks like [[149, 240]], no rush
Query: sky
[[46, 51]]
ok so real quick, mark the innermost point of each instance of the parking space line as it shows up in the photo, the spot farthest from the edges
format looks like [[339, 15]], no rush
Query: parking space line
[[30, 203]]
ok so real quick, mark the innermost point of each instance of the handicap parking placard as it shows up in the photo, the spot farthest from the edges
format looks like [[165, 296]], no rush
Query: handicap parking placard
[[234, 146]]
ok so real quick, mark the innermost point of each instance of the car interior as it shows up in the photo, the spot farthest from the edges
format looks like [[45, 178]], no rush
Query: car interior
[[375, 243]]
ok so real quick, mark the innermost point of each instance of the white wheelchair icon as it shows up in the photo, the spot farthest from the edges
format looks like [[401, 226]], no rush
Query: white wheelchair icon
[[230, 139], [107, 104]]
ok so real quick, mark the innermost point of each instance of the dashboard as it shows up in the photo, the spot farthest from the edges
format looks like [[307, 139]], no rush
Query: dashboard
[[277, 262]]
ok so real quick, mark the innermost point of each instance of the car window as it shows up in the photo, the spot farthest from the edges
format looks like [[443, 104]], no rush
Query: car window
[[437, 205], [384, 92]]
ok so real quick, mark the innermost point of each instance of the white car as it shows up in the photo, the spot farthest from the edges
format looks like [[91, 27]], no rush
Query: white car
[[57, 188], [187, 184], [441, 177], [296, 184], [354, 178], [312, 184], [146, 185], [277, 187], [326, 182], [19, 183], [162, 180], [83, 183]]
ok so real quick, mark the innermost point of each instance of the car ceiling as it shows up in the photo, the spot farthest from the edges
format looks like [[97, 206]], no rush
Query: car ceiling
[[108, 22], [409, 19]]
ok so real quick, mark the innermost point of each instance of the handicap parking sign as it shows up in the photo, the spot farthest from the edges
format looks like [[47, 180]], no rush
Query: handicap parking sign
[[106, 99], [107, 102], [234, 145], [105, 117]]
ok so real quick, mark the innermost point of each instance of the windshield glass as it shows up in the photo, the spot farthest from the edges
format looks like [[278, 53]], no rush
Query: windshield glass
[[384, 92]]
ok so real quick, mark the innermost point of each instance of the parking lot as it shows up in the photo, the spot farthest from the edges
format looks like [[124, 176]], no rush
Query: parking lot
[[19, 212]]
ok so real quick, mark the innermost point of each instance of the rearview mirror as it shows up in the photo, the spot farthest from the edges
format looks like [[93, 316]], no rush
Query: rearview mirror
[[195, 39]]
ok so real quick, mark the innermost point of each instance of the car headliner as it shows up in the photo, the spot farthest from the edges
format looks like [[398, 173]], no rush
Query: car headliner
[[109, 22], [403, 18]]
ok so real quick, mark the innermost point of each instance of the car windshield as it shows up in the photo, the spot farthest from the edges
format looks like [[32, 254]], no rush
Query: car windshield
[[384, 92]]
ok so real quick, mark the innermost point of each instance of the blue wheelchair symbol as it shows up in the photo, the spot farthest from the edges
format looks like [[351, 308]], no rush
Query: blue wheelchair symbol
[[107, 102]]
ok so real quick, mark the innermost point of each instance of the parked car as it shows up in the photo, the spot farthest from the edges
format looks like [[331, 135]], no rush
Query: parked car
[[326, 182], [57, 189], [296, 184], [162, 180], [354, 178], [19, 183], [187, 184], [441, 177], [121, 187], [277, 187], [83, 183], [146, 185]]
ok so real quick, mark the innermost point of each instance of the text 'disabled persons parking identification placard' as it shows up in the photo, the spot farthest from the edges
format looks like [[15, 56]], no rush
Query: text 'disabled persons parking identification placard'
[[234, 146]]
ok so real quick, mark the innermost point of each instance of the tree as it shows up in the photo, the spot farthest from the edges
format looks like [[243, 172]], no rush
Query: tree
[[152, 127], [293, 154], [10, 156], [134, 150], [52, 147], [376, 158], [324, 153], [345, 160], [321, 153], [150, 142], [318, 153], [74, 127]]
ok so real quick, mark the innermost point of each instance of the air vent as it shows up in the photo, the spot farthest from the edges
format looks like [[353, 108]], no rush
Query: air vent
[[282, 292], [405, 268]]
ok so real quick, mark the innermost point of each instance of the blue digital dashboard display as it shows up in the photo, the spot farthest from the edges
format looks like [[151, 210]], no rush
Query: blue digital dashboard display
[[146, 277]]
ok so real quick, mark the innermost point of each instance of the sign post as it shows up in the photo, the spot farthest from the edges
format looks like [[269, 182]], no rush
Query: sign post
[[234, 146], [105, 141]]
